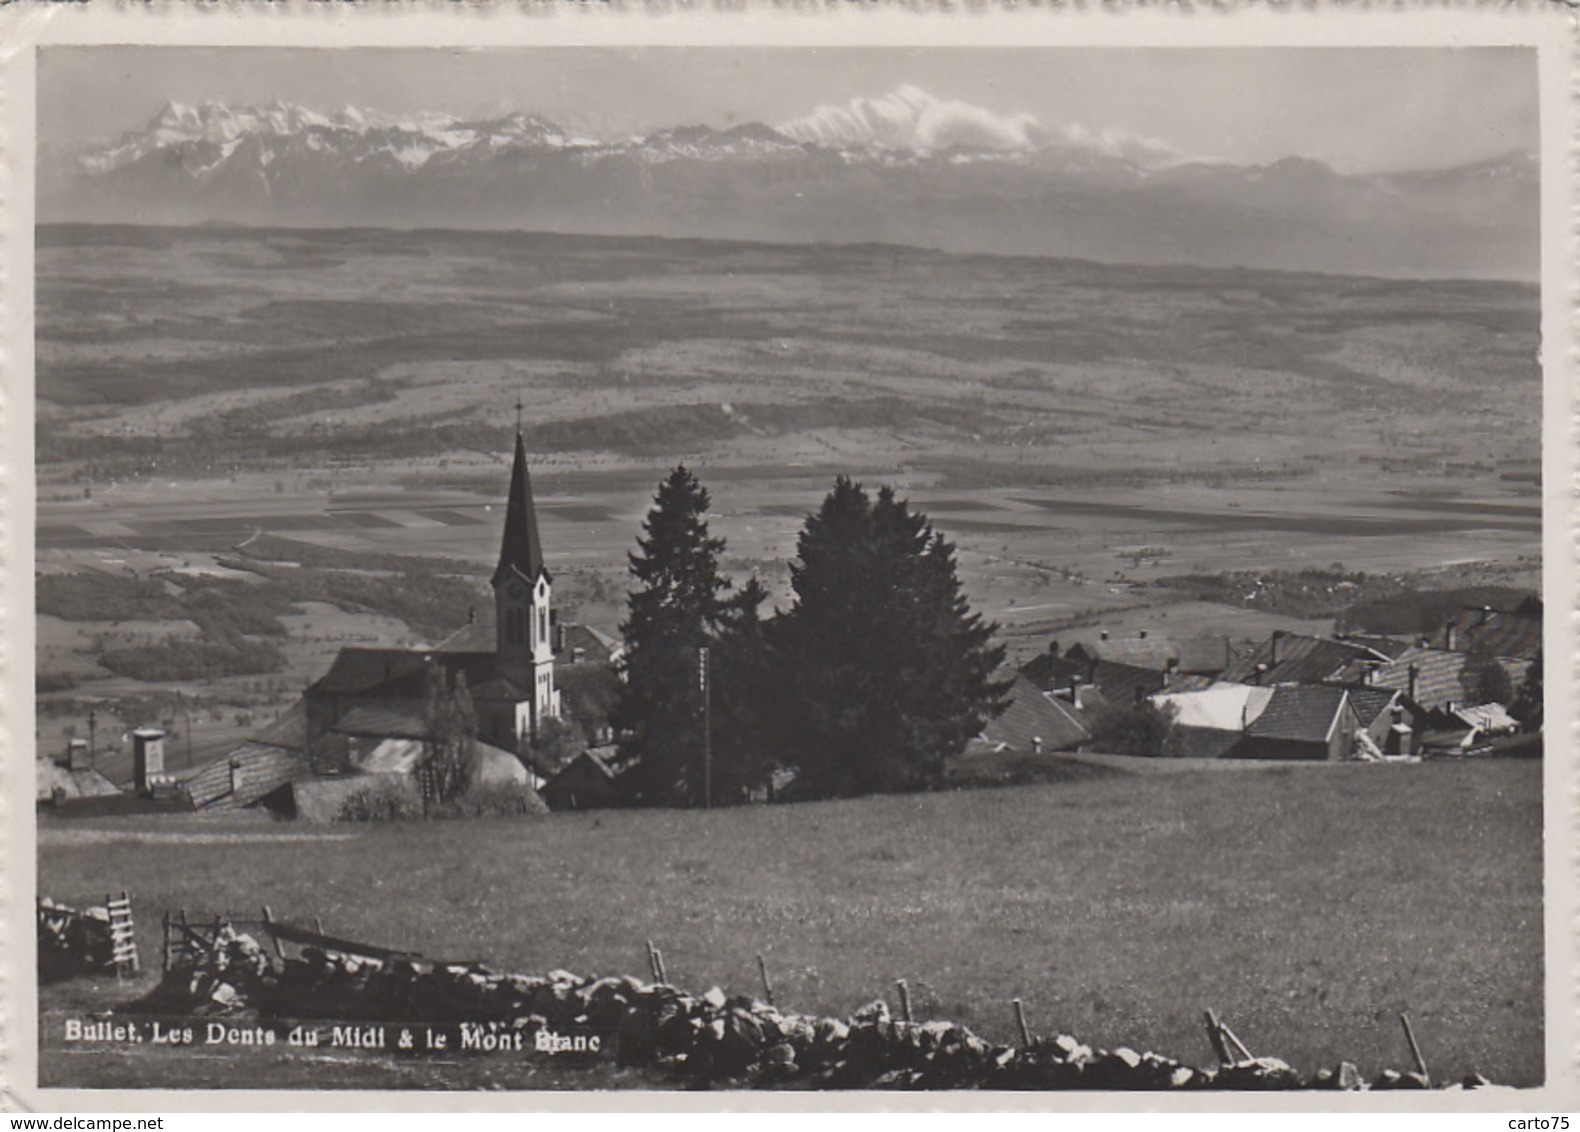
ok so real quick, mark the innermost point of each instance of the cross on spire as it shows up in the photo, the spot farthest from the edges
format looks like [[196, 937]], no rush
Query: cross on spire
[[518, 414]]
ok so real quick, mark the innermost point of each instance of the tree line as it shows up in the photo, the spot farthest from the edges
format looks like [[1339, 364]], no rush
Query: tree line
[[877, 674]]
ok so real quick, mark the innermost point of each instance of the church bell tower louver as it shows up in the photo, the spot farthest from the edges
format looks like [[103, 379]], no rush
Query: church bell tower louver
[[523, 591]]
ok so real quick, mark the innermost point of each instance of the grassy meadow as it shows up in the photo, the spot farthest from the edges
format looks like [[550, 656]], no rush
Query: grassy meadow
[[1308, 905]]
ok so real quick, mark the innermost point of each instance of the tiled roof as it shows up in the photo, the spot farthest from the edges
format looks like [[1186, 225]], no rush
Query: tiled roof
[[1493, 631], [84, 783], [259, 770], [1488, 717], [290, 730], [1202, 655], [1440, 676], [1303, 712], [1369, 703], [1034, 714], [1295, 659]]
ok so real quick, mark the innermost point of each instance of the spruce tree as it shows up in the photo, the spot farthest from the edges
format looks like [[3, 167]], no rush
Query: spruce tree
[[672, 614], [887, 672], [744, 694]]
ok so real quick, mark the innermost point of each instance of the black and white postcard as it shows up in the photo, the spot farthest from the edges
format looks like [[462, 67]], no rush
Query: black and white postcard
[[1015, 554]]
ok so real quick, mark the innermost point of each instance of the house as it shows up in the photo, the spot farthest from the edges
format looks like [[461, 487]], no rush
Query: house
[[1302, 721], [1036, 720], [70, 777], [1292, 658], [1194, 656], [1493, 632], [1435, 680], [511, 683], [587, 782], [1118, 682], [1213, 721]]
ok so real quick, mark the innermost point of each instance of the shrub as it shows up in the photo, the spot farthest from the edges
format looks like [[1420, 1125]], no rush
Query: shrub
[[490, 800], [1140, 728], [389, 799]]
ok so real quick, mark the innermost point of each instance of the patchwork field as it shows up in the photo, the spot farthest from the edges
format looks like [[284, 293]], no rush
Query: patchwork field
[[1079, 430], [1307, 905]]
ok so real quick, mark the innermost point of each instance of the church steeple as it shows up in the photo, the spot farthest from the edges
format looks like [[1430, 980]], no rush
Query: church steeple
[[521, 550], [523, 602]]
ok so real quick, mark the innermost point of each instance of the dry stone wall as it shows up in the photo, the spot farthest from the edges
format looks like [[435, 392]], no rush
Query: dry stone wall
[[712, 1039]]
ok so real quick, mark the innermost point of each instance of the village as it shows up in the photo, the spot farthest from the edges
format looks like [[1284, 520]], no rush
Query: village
[[366, 741]]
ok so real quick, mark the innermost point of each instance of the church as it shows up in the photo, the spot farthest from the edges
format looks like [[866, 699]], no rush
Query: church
[[511, 684]]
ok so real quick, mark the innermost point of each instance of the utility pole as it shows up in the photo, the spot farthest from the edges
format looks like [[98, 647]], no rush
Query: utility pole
[[707, 729]]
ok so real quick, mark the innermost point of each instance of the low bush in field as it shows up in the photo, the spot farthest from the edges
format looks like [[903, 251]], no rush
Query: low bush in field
[[389, 799], [491, 800]]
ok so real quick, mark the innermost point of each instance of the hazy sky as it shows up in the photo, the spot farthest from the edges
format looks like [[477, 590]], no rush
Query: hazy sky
[[1359, 109]]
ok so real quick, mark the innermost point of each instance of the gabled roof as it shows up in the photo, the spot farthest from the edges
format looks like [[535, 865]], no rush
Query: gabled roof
[[1035, 714], [1304, 712], [259, 770], [1117, 682], [1440, 676], [1487, 717], [1294, 659], [1493, 631], [521, 549], [82, 783], [1371, 702]]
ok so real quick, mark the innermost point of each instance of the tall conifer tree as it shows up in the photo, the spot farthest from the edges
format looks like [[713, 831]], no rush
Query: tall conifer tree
[[673, 613], [886, 671]]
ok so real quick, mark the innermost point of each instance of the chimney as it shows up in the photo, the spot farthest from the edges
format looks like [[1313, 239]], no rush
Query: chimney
[[1259, 674], [1450, 635], [1036, 744], [1415, 673], [1053, 647], [1143, 634], [1102, 634], [1075, 688], [1278, 635], [77, 757], [559, 638], [1486, 615], [235, 775], [148, 758], [471, 615]]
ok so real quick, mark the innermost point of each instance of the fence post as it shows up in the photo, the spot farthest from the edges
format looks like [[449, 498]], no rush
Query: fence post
[[1020, 1022], [762, 969]]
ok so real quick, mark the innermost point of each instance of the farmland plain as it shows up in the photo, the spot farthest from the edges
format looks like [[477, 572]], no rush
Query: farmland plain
[[1078, 430], [1308, 905]]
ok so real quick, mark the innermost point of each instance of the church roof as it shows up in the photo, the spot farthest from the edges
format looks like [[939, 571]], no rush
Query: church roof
[[521, 550], [399, 673]]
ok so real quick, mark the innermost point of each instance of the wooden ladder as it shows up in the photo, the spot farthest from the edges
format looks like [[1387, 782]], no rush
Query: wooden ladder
[[123, 935]]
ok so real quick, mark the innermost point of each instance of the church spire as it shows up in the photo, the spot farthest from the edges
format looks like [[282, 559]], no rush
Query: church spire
[[521, 551]]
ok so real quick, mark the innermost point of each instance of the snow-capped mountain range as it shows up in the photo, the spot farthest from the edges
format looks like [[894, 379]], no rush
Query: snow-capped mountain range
[[904, 167]]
